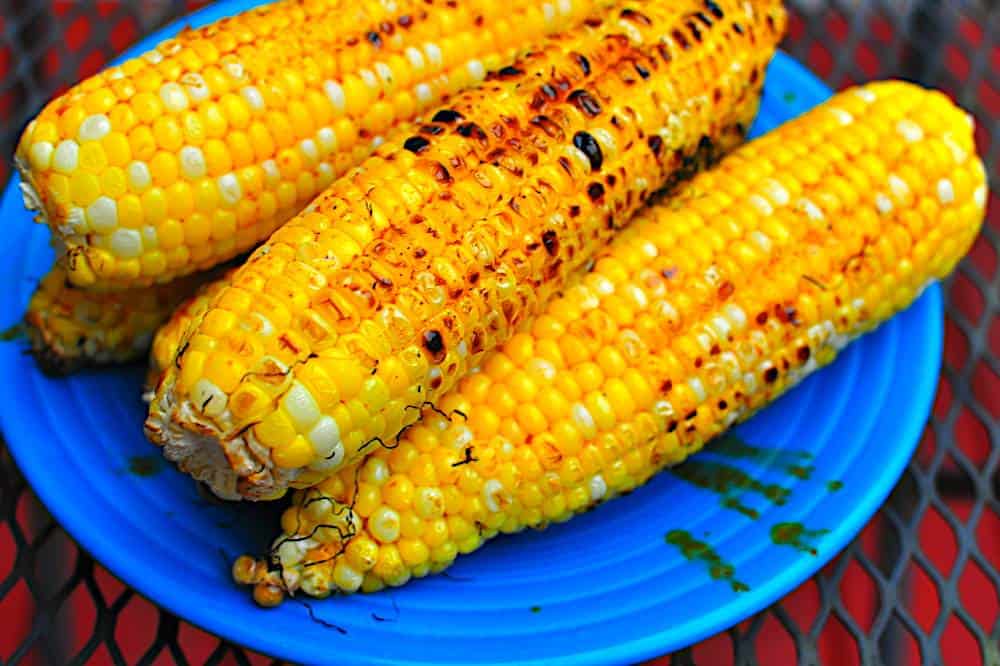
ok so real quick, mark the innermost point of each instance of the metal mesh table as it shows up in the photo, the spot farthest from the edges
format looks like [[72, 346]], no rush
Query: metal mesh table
[[920, 584]]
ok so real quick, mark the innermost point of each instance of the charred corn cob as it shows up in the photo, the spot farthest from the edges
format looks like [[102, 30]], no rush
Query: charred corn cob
[[70, 328], [195, 152], [396, 280], [707, 308]]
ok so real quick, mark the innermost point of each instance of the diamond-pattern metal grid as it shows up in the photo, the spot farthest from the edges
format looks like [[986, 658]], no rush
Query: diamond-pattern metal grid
[[920, 584]]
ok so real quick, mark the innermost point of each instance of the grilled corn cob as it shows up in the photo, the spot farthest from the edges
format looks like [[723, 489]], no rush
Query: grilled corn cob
[[398, 278], [704, 310], [70, 328], [195, 152]]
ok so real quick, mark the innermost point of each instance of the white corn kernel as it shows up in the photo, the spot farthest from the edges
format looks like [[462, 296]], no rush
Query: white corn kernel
[[945, 191], [208, 398], [229, 189], [324, 436], [327, 139], [598, 488], [335, 93], [736, 316], [346, 578], [138, 176], [776, 192], [979, 196], [301, 407], [583, 420], [433, 54], [909, 130], [40, 155], [415, 57], [423, 93], [384, 73], [103, 215], [898, 187], [375, 471], [368, 76], [192, 162], [196, 87], [492, 493], [308, 148], [429, 503], [476, 69], [173, 96], [271, 172], [384, 524], [94, 127], [812, 211], [253, 97], [762, 205], [883, 203], [67, 156], [761, 240], [698, 389], [126, 243]]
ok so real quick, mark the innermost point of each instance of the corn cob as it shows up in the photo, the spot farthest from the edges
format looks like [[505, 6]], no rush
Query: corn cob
[[70, 328], [401, 276], [169, 336], [195, 152], [706, 309]]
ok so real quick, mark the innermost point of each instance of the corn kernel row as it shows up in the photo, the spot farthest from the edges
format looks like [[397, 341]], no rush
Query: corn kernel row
[[196, 151], [396, 280], [707, 308]]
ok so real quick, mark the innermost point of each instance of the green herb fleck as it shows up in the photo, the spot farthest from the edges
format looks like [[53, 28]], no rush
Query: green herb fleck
[[789, 97], [145, 465], [796, 536], [18, 331], [834, 486], [536, 609], [695, 550]]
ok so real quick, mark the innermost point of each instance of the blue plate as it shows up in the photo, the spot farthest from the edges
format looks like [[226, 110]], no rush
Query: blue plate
[[619, 584]]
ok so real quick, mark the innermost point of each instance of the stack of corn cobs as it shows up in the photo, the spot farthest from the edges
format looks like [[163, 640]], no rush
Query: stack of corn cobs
[[511, 258]]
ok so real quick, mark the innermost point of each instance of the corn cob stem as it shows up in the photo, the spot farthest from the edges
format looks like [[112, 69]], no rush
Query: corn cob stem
[[707, 308], [396, 280], [195, 152], [70, 328]]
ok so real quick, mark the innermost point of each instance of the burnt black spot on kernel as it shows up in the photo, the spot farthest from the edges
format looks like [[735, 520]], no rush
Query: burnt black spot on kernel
[[473, 277], [690, 415], [707, 22], [754, 75], [664, 53], [762, 318], [698, 362], [588, 145], [595, 191], [592, 22], [738, 29], [447, 116], [472, 130], [585, 102], [714, 8], [681, 39], [433, 130], [715, 350], [565, 164], [610, 180], [479, 20], [771, 375], [641, 71], [636, 17], [723, 404], [420, 253], [405, 21], [655, 144], [803, 354], [550, 239], [666, 386], [416, 144], [695, 30], [726, 290], [549, 126], [441, 174], [434, 344], [509, 72], [375, 39], [584, 64], [387, 27], [549, 91], [574, 211]]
